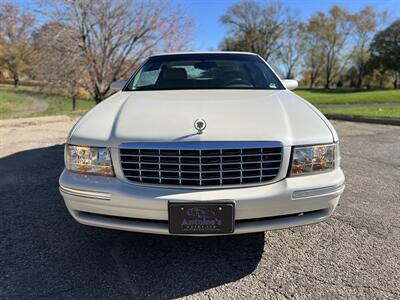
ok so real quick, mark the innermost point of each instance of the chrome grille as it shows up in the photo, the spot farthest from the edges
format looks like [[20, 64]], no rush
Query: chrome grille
[[201, 163]]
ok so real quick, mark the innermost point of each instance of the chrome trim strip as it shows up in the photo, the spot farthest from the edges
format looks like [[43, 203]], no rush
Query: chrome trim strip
[[208, 156], [318, 192], [200, 145], [208, 179], [196, 164], [223, 171], [86, 194]]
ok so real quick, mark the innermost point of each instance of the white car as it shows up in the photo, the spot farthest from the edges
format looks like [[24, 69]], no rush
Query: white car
[[202, 144]]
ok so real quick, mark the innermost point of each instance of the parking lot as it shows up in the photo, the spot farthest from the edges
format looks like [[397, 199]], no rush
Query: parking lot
[[45, 254]]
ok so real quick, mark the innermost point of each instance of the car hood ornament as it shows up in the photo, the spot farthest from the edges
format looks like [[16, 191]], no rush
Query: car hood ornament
[[200, 125]]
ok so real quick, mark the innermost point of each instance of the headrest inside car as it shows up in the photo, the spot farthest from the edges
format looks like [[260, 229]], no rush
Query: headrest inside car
[[173, 74]]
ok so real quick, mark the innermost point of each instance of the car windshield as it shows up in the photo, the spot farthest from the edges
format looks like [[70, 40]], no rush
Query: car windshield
[[204, 71]]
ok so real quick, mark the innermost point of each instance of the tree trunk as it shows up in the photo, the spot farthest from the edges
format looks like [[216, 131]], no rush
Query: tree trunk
[[98, 97], [327, 80], [312, 80], [289, 74], [359, 80], [16, 80], [99, 93], [73, 102]]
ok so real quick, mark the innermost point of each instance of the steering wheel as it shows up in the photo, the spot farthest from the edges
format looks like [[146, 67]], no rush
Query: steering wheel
[[240, 81]]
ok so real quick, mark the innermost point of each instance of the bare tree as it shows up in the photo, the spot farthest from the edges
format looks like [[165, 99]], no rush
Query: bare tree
[[57, 63], [292, 48], [366, 23], [15, 48], [314, 55], [332, 32], [114, 35], [180, 31], [254, 27]]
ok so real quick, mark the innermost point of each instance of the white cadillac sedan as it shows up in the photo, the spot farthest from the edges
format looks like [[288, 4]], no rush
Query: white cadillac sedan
[[202, 144]]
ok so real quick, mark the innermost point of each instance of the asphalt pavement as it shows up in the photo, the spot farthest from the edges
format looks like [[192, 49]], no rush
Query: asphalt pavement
[[44, 253]]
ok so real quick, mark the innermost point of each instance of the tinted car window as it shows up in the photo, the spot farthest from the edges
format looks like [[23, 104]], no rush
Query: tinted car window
[[204, 71]]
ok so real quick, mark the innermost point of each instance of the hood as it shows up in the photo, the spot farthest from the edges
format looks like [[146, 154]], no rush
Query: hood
[[230, 115]]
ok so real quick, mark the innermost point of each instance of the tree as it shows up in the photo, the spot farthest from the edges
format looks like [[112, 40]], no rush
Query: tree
[[62, 69], [385, 49], [292, 47], [331, 31], [254, 27], [376, 72], [365, 24], [314, 55], [15, 49], [114, 35]]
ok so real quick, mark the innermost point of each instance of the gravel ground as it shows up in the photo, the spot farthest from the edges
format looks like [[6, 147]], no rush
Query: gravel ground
[[45, 254], [30, 133]]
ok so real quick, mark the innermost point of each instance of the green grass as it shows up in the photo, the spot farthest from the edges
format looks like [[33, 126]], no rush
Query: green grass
[[16, 100], [62, 105], [372, 111], [349, 96], [11, 103]]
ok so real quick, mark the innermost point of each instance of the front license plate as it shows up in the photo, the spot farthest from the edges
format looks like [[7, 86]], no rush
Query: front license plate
[[201, 218]]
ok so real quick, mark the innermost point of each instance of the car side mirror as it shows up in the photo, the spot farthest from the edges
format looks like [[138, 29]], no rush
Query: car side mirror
[[290, 84], [118, 85]]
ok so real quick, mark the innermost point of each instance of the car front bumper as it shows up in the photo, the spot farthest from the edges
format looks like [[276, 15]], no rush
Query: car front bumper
[[112, 203]]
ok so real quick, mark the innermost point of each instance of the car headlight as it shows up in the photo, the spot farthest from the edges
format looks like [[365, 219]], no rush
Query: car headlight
[[88, 160], [313, 159]]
